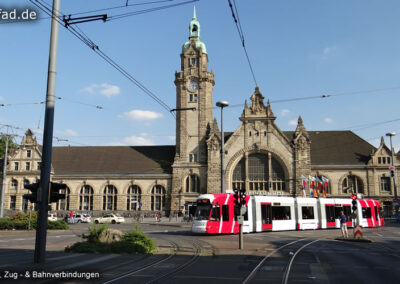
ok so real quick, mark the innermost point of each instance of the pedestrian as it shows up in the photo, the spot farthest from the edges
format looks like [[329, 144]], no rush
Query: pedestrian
[[343, 225]]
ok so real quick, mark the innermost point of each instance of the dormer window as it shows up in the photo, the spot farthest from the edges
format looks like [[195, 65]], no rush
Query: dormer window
[[28, 153], [383, 160], [379, 160], [388, 160]]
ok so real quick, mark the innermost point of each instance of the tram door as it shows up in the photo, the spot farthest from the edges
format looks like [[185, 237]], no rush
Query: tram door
[[266, 216]]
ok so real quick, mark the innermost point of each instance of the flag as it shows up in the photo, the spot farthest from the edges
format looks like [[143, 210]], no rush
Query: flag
[[326, 183], [305, 183], [319, 185], [311, 182]]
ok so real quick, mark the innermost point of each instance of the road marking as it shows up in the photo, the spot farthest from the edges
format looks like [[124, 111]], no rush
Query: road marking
[[65, 256], [90, 261]]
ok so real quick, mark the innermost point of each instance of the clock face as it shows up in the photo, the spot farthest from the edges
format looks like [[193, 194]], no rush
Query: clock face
[[193, 86]]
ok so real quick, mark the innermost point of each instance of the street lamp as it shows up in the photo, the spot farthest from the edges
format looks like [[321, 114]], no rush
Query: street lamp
[[396, 201], [222, 104]]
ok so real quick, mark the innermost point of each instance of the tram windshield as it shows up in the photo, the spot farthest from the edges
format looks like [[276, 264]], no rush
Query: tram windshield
[[202, 212]]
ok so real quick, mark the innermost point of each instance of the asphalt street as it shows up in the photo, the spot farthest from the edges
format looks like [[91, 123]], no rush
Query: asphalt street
[[274, 257]]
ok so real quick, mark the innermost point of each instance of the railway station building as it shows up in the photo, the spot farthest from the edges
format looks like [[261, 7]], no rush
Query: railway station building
[[259, 157]]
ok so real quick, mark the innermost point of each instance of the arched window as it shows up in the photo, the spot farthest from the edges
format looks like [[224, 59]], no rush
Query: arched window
[[157, 198], [259, 175], [14, 184], [193, 183], [63, 204], [86, 198], [352, 184], [110, 198], [133, 198], [26, 181]]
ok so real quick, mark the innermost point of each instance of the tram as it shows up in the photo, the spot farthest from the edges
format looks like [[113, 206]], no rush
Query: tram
[[217, 213]]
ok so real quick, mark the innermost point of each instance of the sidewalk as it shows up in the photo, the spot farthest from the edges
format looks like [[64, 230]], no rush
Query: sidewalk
[[175, 221]]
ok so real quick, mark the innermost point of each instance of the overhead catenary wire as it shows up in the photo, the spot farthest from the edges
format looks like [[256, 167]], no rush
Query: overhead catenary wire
[[129, 14], [42, 6], [241, 35]]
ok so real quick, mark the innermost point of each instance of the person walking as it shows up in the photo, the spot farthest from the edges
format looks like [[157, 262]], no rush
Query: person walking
[[343, 225]]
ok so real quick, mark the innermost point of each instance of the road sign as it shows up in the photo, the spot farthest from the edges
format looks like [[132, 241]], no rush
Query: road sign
[[358, 234]]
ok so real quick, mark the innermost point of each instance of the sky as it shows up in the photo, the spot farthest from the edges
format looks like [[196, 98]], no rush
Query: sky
[[299, 51]]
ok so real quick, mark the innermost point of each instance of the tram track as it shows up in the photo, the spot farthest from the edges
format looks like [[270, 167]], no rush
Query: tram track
[[144, 267], [293, 253], [179, 250]]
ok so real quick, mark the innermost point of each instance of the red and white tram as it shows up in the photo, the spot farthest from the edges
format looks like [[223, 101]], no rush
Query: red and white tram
[[217, 213]]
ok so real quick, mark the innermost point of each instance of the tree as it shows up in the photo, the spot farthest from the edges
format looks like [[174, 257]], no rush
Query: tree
[[11, 145]]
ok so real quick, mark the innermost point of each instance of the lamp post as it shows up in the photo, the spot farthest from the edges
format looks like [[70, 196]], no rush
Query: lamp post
[[222, 104], [396, 201]]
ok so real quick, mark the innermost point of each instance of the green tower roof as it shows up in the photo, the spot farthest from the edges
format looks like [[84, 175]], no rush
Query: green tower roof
[[194, 34]]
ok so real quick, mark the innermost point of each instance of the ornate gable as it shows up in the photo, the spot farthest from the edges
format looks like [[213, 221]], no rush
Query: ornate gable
[[257, 109]]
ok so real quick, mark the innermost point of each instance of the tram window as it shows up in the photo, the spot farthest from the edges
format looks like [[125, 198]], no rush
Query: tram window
[[225, 212], [202, 212], [281, 213], [376, 213], [366, 212], [307, 212], [330, 213], [266, 213], [215, 214], [347, 212], [337, 212]]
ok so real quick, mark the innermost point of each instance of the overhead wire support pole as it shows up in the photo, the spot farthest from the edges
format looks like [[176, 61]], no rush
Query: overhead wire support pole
[[43, 195], [4, 175]]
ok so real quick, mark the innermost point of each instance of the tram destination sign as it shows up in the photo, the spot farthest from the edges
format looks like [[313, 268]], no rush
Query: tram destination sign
[[264, 192]]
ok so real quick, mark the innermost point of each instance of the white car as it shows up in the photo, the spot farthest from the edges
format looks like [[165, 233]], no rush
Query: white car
[[51, 217], [110, 218]]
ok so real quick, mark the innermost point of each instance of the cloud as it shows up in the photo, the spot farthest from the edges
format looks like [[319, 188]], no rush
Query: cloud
[[293, 122], [327, 51], [328, 120], [138, 114], [138, 140], [104, 89], [285, 112]]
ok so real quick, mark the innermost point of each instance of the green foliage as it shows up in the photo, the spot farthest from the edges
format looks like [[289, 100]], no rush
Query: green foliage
[[22, 224], [94, 233], [11, 145], [57, 225], [134, 241], [24, 216]]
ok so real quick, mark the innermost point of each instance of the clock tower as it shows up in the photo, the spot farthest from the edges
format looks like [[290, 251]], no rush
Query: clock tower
[[194, 104]]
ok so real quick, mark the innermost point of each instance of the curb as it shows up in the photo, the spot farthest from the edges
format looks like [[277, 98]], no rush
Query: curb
[[361, 240]]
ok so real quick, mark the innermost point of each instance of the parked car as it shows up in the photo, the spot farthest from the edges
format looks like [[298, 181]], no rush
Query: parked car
[[79, 218], [52, 217], [110, 218]]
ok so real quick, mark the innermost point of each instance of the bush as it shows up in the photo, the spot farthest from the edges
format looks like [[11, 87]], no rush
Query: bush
[[94, 233], [18, 224], [24, 216], [57, 225], [134, 241]]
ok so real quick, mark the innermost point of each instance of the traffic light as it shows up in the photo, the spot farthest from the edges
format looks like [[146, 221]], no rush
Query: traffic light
[[391, 171], [243, 196], [236, 196], [354, 207], [54, 194], [34, 188]]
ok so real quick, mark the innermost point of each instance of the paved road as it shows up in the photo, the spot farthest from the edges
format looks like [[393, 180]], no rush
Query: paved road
[[275, 257]]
